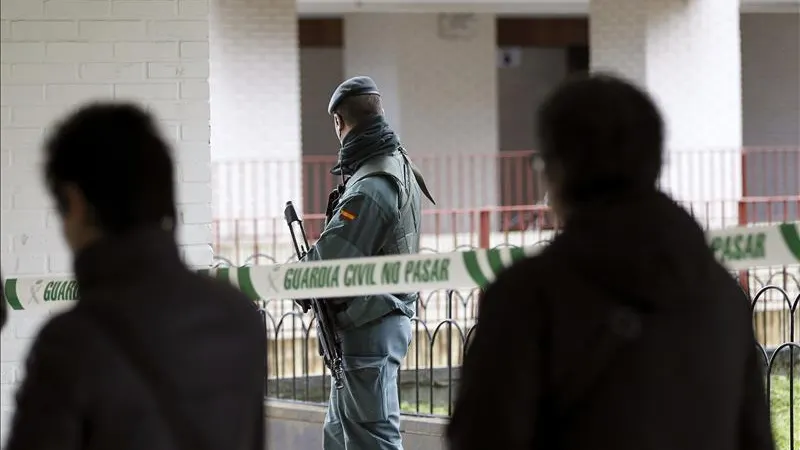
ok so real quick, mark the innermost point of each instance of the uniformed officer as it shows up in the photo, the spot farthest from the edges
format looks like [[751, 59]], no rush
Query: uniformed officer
[[376, 211]]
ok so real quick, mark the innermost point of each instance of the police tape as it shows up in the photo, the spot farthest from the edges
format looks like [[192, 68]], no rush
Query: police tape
[[738, 248]]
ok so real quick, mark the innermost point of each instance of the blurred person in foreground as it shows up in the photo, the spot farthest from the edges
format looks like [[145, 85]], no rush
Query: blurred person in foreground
[[3, 306], [153, 356], [624, 333], [375, 211]]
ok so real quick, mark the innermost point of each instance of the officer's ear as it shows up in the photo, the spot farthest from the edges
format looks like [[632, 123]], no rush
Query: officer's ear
[[338, 125]]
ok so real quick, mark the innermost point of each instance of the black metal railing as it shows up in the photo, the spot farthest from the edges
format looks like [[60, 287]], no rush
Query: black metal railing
[[446, 320], [429, 377]]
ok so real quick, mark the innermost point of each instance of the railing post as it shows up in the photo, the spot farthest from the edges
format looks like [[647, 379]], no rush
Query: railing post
[[744, 278], [484, 229]]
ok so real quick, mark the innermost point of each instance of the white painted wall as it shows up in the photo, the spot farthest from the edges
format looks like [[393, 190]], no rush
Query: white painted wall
[[520, 90], [439, 89], [56, 54], [770, 61], [770, 87], [255, 108], [688, 57]]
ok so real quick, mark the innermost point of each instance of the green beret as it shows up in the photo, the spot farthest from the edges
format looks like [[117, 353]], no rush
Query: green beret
[[351, 88]]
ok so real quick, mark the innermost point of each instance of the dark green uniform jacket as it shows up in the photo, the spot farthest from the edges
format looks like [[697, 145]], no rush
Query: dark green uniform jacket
[[379, 213]]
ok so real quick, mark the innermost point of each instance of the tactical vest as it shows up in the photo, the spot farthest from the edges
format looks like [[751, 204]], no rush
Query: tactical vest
[[402, 239]]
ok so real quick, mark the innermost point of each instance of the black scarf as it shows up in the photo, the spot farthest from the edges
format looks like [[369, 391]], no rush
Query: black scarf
[[369, 139]]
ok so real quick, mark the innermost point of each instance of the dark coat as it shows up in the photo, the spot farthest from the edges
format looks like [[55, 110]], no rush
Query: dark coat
[[623, 334], [3, 306], [202, 344]]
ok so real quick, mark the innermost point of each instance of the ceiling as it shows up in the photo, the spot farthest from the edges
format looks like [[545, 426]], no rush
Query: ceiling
[[317, 8]]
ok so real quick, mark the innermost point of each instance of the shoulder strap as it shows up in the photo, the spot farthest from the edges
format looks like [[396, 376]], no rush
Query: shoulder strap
[[396, 166], [417, 175], [389, 166], [381, 165], [183, 438]]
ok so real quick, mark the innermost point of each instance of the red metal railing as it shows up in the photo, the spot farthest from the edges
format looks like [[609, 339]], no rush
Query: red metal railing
[[479, 196], [242, 188], [238, 240], [769, 174]]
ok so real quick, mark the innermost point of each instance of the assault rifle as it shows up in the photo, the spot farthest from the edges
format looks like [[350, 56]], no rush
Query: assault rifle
[[329, 342]]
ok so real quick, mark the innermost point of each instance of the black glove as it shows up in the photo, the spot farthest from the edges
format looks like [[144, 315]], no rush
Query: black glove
[[333, 202], [320, 351], [304, 304]]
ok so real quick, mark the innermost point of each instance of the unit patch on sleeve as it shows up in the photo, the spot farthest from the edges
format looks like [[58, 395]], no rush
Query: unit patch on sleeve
[[347, 215]]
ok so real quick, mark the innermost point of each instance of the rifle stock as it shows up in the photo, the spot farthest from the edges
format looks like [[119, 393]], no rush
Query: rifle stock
[[330, 344]]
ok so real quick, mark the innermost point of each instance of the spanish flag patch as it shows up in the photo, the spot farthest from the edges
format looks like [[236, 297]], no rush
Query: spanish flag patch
[[347, 215]]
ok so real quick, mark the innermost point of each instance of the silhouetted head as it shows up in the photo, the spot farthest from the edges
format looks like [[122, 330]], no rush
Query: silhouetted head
[[110, 172], [352, 103], [600, 137]]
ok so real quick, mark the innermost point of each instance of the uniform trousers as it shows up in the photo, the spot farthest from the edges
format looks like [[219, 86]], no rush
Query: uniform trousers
[[365, 414]]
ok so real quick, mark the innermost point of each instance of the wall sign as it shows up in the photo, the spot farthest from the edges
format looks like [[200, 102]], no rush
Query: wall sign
[[509, 57], [456, 27]]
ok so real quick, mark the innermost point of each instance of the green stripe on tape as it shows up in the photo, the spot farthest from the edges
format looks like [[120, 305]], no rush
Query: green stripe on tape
[[223, 274], [495, 261], [517, 254], [12, 298], [792, 238], [246, 283], [474, 269]]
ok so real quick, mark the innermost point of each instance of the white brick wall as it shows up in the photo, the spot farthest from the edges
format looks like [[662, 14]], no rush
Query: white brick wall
[[56, 54]]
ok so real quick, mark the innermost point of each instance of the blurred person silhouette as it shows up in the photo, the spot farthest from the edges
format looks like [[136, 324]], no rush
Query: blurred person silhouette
[[153, 356], [624, 333], [3, 306]]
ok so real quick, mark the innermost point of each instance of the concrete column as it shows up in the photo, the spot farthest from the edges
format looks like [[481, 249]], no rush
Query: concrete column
[[255, 115], [438, 77], [687, 54], [57, 55]]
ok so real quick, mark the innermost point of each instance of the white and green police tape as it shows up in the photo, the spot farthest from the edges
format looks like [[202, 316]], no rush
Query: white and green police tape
[[738, 248]]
